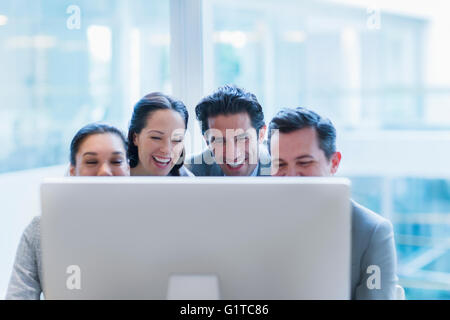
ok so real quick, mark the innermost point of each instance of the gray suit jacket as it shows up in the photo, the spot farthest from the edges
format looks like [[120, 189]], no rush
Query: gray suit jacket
[[203, 164], [372, 244]]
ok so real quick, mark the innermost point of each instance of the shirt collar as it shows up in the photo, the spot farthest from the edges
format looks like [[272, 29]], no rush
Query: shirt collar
[[255, 172]]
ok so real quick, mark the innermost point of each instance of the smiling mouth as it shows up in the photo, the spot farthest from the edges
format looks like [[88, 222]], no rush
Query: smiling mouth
[[235, 165], [161, 162]]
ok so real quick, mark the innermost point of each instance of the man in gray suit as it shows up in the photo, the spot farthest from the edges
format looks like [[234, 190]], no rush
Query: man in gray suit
[[302, 143], [232, 123]]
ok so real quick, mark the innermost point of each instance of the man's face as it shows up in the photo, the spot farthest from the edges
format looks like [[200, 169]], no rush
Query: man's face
[[298, 154], [234, 143]]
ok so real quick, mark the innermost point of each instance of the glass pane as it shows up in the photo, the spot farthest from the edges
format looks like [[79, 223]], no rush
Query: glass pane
[[65, 64], [68, 63], [381, 75]]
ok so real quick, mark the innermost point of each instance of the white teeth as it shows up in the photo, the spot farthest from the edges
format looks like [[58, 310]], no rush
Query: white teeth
[[235, 164], [162, 160]]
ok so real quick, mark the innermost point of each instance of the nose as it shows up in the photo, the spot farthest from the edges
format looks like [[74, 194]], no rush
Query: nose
[[234, 151], [165, 147], [292, 172], [104, 170]]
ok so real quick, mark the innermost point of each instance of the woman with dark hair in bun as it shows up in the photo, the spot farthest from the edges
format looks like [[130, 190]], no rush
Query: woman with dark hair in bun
[[156, 137], [96, 150]]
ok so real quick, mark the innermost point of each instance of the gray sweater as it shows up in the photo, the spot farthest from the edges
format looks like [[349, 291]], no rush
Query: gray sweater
[[26, 277]]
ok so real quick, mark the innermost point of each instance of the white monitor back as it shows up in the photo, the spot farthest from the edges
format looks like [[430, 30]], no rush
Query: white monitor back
[[260, 238]]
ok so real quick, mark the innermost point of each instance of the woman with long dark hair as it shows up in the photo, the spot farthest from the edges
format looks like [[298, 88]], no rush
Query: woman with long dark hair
[[156, 137]]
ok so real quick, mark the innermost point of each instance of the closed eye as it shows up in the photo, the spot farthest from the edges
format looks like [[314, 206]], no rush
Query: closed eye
[[242, 138], [177, 140]]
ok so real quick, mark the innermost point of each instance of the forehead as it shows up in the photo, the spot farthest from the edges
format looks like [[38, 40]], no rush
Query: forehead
[[101, 142], [296, 143], [165, 118], [230, 121]]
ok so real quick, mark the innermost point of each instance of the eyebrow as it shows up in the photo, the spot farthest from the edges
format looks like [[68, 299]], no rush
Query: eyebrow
[[155, 131], [214, 138], [90, 153], [306, 156]]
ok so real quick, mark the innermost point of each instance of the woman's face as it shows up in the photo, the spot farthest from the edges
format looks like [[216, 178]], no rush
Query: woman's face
[[101, 154], [160, 143]]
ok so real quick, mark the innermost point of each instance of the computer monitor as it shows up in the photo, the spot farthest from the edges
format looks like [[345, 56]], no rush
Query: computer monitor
[[196, 238]]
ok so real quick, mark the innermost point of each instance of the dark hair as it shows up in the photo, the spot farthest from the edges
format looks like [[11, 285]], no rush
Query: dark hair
[[229, 99], [142, 110], [89, 130], [289, 120]]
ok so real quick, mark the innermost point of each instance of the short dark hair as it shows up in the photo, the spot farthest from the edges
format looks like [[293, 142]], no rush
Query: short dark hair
[[229, 99], [142, 110], [289, 120], [89, 130]]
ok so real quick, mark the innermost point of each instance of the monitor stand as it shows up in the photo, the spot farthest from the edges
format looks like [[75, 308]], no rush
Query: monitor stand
[[193, 287]]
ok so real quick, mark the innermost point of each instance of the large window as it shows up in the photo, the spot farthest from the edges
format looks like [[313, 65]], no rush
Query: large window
[[370, 66], [378, 69], [64, 64], [67, 63]]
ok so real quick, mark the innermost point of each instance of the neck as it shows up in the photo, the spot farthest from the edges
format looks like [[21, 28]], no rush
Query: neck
[[139, 170]]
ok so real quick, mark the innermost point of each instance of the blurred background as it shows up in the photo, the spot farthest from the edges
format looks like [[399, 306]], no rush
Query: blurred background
[[378, 69]]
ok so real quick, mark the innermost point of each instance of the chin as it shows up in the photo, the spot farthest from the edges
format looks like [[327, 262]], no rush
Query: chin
[[240, 173]]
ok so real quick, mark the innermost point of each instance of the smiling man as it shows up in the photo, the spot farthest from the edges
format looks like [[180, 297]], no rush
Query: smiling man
[[302, 143], [232, 123]]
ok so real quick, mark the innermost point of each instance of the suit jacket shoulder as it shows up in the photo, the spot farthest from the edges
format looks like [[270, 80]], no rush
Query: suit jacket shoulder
[[373, 250], [185, 172], [203, 164]]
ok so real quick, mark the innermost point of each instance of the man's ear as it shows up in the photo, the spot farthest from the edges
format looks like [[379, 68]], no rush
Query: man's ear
[[208, 145], [72, 171], [206, 136], [335, 161], [262, 134]]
